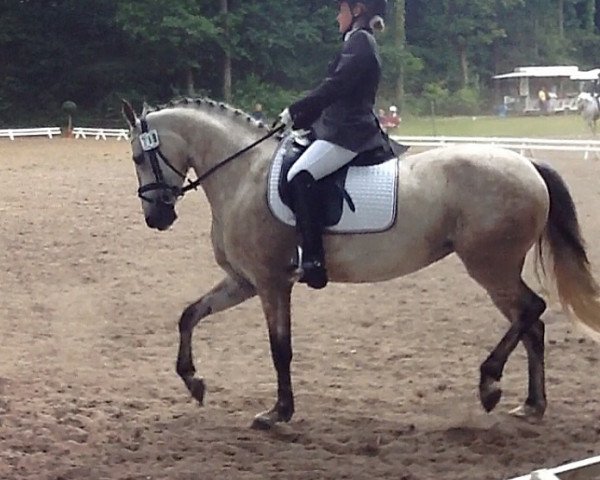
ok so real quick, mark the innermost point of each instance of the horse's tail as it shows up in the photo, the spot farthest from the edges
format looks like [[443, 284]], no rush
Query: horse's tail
[[566, 262]]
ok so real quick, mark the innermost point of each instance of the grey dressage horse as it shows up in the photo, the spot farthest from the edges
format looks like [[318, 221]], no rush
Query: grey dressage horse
[[487, 205], [589, 110]]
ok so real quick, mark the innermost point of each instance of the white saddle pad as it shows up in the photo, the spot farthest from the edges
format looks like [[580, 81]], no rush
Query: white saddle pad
[[372, 189]]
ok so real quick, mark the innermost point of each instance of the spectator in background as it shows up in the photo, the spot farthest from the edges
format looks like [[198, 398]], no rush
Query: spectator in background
[[383, 119], [543, 100], [258, 113], [393, 119]]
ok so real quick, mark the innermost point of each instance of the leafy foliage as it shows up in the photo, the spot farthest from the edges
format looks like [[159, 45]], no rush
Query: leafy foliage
[[96, 51]]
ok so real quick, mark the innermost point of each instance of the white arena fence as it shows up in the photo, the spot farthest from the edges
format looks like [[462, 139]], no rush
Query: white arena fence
[[101, 133], [523, 145], [78, 132], [588, 469], [11, 133]]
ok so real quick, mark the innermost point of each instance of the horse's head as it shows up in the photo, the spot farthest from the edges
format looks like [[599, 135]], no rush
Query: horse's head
[[161, 162]]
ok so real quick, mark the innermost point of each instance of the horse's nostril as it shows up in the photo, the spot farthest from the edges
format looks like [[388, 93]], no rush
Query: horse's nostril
[[167, 199]]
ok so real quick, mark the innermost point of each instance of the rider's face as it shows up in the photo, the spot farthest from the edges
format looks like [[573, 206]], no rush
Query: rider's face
[[344, 17]]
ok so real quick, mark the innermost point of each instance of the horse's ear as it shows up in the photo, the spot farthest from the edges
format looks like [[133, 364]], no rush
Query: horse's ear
[[128, 113], [145, 109]]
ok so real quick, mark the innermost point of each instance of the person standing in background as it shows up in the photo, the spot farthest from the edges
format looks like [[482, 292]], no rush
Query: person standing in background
[[258, 113], [393, 119], [383, 119], [543, 100]]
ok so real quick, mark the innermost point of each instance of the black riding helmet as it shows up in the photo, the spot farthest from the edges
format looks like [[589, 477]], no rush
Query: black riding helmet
[[374, 7]]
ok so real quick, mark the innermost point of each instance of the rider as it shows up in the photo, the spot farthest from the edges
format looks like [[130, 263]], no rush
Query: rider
[[596, 85], [340, 114], [596, 88]]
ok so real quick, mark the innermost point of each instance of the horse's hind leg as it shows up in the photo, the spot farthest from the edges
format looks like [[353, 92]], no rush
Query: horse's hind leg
[[523, 308], [533, 339], [230, 292], [524, 313]]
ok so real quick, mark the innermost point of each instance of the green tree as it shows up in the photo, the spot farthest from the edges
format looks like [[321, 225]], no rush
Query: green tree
[[51, 50], [176, 40], [94, 51]]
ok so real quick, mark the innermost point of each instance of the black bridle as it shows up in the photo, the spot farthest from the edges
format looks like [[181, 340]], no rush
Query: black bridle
[[169, 193], [150, 145]]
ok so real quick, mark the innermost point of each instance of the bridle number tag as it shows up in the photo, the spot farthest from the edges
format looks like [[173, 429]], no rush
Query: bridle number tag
[[149, 141]]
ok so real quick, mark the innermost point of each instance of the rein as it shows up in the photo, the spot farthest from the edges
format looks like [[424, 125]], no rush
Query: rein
[[194, 185], [151, 145]]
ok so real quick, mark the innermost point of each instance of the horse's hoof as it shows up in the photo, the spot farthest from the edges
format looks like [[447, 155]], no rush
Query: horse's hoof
[[530, 413], [197, 389], [264, 421], [490, 395]]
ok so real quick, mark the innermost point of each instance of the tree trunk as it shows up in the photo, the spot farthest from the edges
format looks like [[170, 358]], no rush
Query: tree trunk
[[590, 15], [561, 18], [496, 56], [227, 54], [189, 82], [536, 43], [400, 47], [464, 63]]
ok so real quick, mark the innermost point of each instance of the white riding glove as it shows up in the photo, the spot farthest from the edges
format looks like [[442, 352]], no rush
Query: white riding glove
[[285, 118]]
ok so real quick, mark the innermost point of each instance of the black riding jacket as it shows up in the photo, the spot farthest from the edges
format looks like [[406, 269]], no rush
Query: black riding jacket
[[340, 109]]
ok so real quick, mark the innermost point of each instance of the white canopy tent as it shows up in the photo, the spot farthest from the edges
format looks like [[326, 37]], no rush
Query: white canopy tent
[[588, 75], [562, 83], [540, 72]]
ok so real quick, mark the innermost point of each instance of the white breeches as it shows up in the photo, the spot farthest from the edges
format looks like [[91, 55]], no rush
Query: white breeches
[[320, 159]]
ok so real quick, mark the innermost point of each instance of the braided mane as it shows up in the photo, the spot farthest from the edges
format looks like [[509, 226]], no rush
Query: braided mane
[[207, 104]]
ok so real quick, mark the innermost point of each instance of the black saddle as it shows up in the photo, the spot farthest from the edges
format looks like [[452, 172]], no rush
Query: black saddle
[[331, 189]]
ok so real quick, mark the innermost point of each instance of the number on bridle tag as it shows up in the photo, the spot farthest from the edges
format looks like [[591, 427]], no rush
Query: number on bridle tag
[[149, 141]]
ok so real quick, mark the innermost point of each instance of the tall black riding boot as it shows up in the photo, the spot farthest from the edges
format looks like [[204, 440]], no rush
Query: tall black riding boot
[[308, 225]]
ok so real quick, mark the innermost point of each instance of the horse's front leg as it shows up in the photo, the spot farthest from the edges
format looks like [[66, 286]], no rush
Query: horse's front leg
[[276, 306], [230, 292]]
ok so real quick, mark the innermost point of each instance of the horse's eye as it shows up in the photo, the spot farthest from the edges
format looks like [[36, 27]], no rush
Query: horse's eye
[[138, 159]]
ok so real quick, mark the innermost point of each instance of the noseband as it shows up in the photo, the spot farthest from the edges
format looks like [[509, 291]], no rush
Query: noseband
[[151, 146]]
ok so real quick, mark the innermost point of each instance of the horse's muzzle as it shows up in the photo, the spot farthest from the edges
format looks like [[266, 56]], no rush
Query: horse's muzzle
[[161, 216]]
